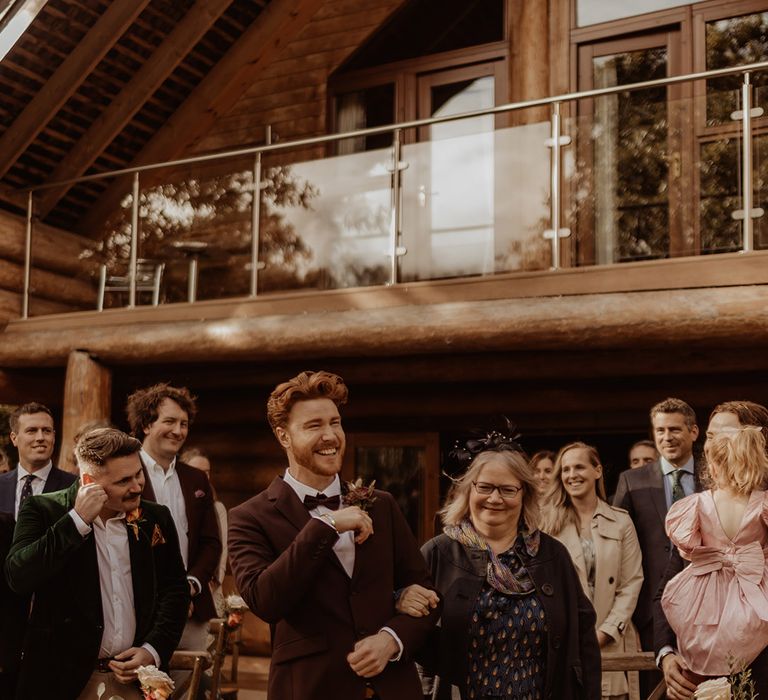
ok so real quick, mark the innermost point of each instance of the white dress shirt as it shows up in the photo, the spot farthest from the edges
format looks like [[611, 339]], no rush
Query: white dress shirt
[[687, 480], [38, 483], [167, 488], [116, 583], [345, 545]]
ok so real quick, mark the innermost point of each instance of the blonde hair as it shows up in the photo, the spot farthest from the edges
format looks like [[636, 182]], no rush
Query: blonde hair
[[456, 505], [558, 508], [739, 459]]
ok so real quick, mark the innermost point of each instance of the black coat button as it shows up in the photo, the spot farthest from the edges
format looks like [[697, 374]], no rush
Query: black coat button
[[547, 589], [610, 579]]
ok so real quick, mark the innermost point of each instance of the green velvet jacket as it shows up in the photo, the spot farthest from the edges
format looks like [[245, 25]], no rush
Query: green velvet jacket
[[51, 559]]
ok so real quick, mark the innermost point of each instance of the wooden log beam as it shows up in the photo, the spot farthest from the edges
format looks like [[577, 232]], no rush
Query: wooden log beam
[[48, 285], [715, 318], [87, 397], [118, 16], [185, 35], [257, 47], [10, 306]]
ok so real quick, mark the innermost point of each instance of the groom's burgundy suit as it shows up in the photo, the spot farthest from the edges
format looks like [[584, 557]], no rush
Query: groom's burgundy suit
[[288, 573]]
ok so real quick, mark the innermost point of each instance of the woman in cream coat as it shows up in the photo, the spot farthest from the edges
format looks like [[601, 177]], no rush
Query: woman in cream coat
[[603, 546]]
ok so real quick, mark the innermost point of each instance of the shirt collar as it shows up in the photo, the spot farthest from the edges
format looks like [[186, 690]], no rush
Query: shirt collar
[[667, 467], [41, 474], [303, 490], [153, 464]]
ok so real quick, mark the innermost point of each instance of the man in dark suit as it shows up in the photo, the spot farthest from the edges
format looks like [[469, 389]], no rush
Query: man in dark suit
[[646, 493], [13, 617], [324, 578], [104, 566], [160, 416], [34, 437]]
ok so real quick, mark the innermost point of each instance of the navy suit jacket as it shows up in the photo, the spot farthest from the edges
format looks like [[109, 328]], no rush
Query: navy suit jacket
[[56, 481]]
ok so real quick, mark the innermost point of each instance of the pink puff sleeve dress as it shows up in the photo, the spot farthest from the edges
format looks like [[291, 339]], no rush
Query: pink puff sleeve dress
[[718, 605]]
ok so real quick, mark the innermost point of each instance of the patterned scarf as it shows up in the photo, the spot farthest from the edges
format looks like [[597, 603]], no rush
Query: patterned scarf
[[512, 579]]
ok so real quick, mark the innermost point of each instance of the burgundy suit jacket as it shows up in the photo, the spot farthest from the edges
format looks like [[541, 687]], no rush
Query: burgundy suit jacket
[[287, 572], [203, 534]]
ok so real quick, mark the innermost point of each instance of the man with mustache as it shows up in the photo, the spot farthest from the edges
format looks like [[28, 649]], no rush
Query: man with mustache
[[110, 593], [324, 576]]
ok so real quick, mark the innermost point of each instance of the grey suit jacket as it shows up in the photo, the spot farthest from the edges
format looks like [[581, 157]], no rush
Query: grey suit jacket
[[641, 493], [56, 481]]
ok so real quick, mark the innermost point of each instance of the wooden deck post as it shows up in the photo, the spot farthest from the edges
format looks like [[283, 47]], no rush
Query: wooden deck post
[[87, 397]]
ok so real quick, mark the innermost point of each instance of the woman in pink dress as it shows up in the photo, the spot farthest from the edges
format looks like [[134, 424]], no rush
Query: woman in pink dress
[[718, 606]]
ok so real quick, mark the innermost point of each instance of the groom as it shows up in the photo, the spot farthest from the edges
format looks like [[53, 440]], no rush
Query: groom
[[110, 591], [324, 578]]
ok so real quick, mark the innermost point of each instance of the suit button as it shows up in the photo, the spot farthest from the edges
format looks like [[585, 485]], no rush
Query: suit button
[[666, 547], [323, 540], [610, 579], [556, 642], [362, 633], [547, 589]]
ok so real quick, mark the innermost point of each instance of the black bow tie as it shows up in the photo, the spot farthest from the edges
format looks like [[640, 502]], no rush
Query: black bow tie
[[312, 502]]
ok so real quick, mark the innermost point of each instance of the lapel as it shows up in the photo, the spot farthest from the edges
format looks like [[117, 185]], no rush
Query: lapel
[[142, 570], [8, 491], [656, 486], [570, 538], [366, 554], [186, 491]]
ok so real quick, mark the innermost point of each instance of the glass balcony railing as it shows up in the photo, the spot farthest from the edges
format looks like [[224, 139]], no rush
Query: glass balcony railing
[[635, 172]]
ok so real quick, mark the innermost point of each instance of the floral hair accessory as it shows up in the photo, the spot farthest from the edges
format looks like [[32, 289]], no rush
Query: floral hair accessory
[[491, 441], [355, 494], [235, 608], [155, 684]]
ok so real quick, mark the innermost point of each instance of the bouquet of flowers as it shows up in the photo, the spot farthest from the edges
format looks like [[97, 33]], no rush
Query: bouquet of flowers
[[155, 684], [234, 608], [716, 689], [358, 495]]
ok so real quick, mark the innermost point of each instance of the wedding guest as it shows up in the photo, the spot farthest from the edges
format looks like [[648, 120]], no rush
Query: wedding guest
[[641, 453], [13, 617], [515, 621], [5, 463], [543, 465], [324, 578], [196, 458], [33, 435], [104, 566], [160, 416], [726, 416], [603, 546]]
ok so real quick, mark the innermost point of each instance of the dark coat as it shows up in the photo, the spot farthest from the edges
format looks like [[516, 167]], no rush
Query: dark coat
[[13, 616], [641, 493], [573, 657], [204, 538], [51, 559], [287, 572], [57, 480]]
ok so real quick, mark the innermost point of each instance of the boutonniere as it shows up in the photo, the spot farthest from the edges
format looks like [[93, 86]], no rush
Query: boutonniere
[[355, 494], [157, 536], [199, 493], [133, 519]]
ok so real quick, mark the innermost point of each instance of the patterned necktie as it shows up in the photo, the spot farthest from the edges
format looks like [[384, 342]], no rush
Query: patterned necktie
[[26, 490], [312, 502], [677, 486]]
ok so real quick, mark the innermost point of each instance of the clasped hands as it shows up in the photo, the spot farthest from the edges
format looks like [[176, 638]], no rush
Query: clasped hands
[[678, 686], [124, 665], [353, 519]]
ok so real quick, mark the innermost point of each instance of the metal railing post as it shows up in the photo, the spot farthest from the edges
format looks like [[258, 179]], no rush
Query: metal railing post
[[395, 249], [134, 242], [27, 258], [555, 142], [256, 215]]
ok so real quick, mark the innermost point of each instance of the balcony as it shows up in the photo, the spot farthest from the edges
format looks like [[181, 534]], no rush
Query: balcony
[[644, 186]]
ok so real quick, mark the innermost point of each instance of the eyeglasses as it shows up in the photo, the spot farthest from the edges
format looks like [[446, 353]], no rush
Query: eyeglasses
[[486, 489]]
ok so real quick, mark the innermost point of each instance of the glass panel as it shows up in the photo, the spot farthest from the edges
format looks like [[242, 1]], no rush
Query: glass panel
[[326, 223], [625, 149], [594, 11], [397, 470], [732, 42]]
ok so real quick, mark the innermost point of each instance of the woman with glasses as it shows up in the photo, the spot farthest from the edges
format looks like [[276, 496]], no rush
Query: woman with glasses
[[603, 545], [515, 621]]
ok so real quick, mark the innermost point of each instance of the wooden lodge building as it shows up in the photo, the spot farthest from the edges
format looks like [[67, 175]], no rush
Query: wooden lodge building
[[418, 263]]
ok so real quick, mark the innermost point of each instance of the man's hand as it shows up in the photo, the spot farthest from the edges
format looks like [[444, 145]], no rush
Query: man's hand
[[352, 518], [417, 601], [678, 686], [124, 665], [89, 501], [372, 654]]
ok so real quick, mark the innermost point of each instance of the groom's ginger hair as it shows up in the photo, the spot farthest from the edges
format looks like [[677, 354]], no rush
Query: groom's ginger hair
[[304, 387], [96, 447]]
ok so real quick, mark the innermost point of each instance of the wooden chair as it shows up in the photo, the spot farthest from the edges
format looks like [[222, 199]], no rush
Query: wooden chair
[[218, 628], [149, 275], [228, 689], [631, 662], [195, 661]]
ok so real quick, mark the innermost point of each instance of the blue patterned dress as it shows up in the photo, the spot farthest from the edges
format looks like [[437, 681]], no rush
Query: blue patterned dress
[[507, 643]]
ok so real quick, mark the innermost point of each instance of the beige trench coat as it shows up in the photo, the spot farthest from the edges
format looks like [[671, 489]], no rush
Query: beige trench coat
[[618, 579]]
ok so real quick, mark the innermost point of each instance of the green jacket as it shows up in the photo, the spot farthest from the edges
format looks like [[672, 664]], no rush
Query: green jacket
[[51, 559]]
